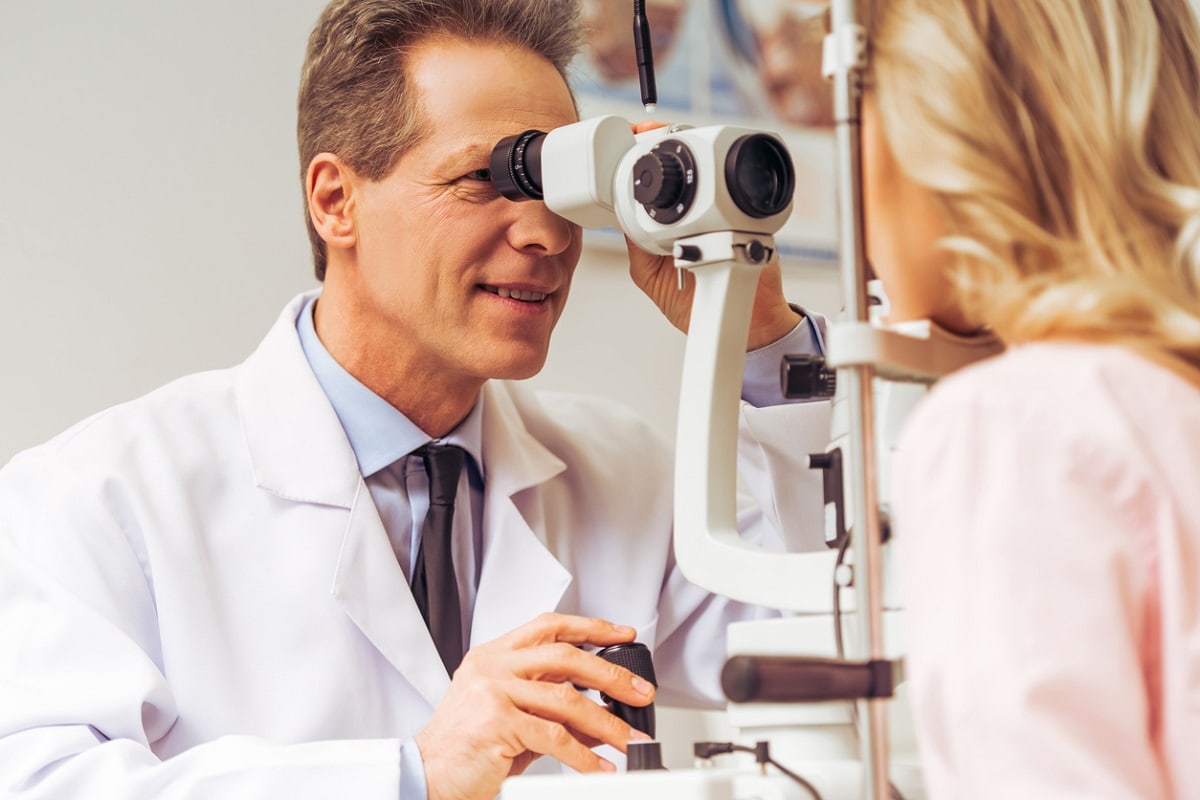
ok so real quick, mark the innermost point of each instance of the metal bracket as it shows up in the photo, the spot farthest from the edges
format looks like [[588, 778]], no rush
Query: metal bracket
[[844, 50]]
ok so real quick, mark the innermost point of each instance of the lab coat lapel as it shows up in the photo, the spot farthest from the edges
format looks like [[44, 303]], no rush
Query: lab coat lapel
[[372, 589], [299, 452], [520, 578]]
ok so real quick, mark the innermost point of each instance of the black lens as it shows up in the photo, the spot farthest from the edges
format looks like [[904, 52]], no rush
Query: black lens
[[516, 165], [759, 174]]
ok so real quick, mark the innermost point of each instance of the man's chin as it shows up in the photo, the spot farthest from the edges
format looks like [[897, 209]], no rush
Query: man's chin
[[517, 368], [520, 374]]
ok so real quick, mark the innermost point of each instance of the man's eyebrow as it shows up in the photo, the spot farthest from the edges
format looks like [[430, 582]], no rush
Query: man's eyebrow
[[476, 152], [478, 149]]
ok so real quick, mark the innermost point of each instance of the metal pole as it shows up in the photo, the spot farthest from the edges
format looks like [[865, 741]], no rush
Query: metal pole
[[849, 43]]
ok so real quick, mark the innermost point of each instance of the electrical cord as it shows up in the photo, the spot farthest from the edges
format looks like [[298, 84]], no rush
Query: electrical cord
[[762, 754]]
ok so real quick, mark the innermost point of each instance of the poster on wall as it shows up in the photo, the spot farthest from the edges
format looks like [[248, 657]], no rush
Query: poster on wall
[[751, 63]]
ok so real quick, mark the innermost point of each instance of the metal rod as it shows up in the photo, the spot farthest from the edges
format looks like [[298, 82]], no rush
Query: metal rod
[[858, 382]]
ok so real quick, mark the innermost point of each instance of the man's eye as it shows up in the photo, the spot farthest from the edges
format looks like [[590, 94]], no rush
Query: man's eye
[[479, 175]]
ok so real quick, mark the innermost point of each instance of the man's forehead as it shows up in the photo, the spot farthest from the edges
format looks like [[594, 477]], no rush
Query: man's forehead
[[466, 147], [481, 83]]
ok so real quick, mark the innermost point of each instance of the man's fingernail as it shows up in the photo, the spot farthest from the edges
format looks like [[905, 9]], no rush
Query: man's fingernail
[[642, 686], [607, 766], [639, 736], [624, 630]]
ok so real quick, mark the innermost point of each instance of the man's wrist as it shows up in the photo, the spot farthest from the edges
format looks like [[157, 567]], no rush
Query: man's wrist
[[761, 383], [782, 322]]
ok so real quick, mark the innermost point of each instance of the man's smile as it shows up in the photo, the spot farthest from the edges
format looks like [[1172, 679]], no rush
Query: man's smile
[[524, 295]]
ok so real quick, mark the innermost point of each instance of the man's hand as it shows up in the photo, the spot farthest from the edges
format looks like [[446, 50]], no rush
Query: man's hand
[[772, 318], [514, 699]]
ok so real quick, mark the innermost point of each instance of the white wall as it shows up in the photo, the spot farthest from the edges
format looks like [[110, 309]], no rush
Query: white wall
[[149, 211], [151, 223]]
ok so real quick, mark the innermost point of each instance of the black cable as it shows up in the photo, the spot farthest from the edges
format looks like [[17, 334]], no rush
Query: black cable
[[644, 54], [707, 750], [762, 755]]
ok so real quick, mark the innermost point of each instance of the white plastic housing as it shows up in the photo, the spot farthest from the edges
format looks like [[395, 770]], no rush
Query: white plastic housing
[[587, 178], [712, 209], [579, 162]]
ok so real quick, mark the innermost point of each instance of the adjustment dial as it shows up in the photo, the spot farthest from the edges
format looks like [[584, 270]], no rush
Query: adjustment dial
[[664, 181]]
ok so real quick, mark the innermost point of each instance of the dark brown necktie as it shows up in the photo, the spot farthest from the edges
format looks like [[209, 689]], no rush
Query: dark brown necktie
[[434, 585]]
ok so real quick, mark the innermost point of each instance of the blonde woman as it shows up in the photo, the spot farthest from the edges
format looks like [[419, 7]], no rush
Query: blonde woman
[[1032, 168]]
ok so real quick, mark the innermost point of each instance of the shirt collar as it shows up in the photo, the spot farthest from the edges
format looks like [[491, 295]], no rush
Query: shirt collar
[[378, 433]]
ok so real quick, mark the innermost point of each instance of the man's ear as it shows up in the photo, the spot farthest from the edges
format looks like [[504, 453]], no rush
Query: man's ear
[[330, 185]]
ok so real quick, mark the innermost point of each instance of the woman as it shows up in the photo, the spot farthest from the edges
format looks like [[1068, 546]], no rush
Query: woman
[[1032, 168]]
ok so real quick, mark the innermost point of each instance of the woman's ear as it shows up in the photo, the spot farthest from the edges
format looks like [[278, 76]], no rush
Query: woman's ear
[[329, 184]]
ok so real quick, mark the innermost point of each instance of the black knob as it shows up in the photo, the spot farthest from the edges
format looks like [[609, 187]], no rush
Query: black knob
[[643, 756], [664, 181], [636, 658], [658, 180]]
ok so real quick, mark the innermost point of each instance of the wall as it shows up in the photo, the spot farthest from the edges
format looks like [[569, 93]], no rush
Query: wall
[[150, 217]]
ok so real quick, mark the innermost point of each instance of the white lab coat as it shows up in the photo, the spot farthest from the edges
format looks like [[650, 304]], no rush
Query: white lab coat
[[198, 598]]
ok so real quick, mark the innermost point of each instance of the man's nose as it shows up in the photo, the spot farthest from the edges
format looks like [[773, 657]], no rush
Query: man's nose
[[535, 228]]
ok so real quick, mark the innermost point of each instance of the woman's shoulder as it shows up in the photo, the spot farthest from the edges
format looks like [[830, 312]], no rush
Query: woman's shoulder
[[1104, 395], [1073, 374]]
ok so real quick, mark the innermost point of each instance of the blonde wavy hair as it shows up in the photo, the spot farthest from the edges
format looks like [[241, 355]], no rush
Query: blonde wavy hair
[[1063, 140]]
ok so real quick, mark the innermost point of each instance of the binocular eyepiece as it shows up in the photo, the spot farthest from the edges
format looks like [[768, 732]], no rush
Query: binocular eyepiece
[[758, 174], [516, 166]]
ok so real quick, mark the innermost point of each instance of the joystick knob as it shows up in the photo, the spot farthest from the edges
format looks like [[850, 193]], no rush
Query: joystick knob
[[635, 657]]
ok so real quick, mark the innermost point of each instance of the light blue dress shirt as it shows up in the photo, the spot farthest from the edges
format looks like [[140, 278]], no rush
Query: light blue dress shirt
[[383, 440]]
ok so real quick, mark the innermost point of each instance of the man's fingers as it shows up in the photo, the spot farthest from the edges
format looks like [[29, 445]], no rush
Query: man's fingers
[[552, 739], [587, 722], [552, 627], [647, 125], [587, 741], [561, 662]]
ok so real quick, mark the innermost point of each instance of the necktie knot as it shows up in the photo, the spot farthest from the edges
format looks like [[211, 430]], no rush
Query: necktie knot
[[443, 464]]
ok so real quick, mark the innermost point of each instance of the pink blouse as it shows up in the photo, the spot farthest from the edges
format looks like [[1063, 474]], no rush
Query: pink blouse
[[1047, 504]]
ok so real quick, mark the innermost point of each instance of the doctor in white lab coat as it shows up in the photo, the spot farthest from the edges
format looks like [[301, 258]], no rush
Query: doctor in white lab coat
[[199, 594]]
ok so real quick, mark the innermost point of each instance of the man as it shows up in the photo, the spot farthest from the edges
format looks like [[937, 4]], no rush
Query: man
[[223, 589]]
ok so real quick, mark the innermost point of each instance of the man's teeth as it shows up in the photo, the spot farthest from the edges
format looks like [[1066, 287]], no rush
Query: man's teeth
[[518, 294]]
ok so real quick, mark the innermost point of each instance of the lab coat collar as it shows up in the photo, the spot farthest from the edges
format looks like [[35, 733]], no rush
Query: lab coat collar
[[296, 443], [513, 458], [300, 451]]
